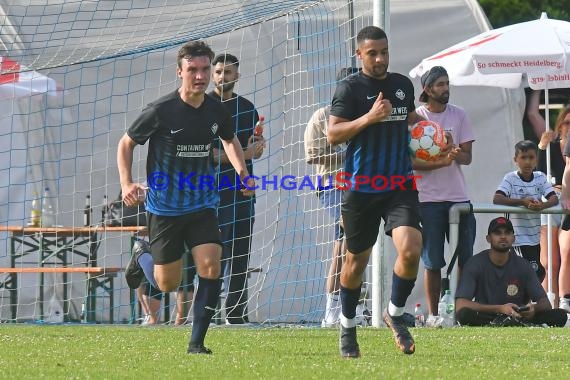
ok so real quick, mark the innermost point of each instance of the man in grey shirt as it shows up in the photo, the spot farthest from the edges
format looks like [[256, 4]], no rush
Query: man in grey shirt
[[499, 288]]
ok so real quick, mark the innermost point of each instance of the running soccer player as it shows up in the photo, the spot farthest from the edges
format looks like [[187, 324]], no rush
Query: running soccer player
[[181, 203], [372, 110]]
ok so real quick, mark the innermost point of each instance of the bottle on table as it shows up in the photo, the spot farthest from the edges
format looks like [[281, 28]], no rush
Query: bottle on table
[[36, 211], [105, 211], [48, 209], [87, 211]]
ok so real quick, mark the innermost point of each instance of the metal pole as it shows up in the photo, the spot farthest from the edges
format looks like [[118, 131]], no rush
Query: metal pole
[[352, 33], [381, 18], [549, 292]]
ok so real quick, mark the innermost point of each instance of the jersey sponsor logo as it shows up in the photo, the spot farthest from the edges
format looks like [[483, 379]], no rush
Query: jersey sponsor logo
[[214, 128], [400, 94], [176, 131], [193, 150], [398, 114]]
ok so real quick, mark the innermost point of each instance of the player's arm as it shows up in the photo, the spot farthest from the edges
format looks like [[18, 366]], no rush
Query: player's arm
[[129, 190], [341, 130], [235, 155]]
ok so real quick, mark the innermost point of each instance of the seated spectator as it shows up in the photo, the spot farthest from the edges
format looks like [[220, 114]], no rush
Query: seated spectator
[[499, 288]]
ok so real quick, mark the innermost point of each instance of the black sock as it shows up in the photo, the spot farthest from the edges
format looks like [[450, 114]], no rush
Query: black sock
[[401, 290], [205, 304], [348, 301]]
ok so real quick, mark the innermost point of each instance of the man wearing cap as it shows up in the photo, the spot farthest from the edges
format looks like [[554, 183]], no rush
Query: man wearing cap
[[441, 185], [499, 288]]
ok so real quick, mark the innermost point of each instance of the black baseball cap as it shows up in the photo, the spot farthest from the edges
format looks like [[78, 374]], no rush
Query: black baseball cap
[[500, 222], [429, 77]]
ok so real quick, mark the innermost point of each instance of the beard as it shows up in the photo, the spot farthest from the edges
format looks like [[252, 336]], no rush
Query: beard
[[443, 98], [225, 87], [501, 248]]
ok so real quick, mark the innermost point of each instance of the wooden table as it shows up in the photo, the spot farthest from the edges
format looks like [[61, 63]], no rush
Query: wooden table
[[59, 244]]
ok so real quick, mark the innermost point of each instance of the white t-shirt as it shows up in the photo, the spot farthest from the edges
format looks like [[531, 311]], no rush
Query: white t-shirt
[[448, 183], [527, 226]]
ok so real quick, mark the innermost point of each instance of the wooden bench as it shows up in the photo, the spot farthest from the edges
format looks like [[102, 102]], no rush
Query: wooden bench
[[97, 277]]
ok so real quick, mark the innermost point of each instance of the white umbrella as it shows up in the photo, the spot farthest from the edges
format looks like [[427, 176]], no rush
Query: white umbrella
[[17, 81], [536, 52]]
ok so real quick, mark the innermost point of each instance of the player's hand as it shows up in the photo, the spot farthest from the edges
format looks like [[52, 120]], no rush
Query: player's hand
[[255, 146], [249, 189], [133, 193], [381, 109]]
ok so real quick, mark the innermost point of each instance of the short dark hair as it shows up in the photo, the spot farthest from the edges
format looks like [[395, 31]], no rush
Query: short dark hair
[[346, 72], [370, 33], [226, 58], [525, 146], [194, 49]]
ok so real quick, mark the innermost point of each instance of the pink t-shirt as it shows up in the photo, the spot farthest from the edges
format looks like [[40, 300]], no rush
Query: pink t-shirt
[[448, 183]]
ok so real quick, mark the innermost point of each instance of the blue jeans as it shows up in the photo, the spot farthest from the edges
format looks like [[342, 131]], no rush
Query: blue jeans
[[435, 230], [331, 200]]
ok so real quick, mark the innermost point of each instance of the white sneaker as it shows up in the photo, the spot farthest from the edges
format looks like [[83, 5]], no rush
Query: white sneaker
[[363, 316], [146, 320], [325, 323], [434, 321], [565, 303]]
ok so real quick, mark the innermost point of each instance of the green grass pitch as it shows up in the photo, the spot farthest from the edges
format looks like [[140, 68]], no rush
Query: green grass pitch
[[129, 352]]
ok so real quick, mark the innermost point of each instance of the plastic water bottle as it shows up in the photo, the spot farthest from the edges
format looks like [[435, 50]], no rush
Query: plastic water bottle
[[48, 210], [36, 212], [419, 315], [258, 130], [446, 308], [442, 307]]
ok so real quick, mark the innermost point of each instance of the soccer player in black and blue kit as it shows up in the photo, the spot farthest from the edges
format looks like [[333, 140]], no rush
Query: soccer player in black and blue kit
[[182, 196], [371, 111]]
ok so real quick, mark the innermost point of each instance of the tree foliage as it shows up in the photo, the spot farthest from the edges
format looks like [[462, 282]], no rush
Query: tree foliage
[[505, 12]]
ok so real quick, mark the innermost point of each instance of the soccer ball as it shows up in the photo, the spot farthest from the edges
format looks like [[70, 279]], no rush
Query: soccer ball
[[427, 140]]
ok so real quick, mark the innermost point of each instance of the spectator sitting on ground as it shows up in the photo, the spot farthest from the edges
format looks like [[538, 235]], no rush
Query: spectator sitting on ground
[[499, 288]]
